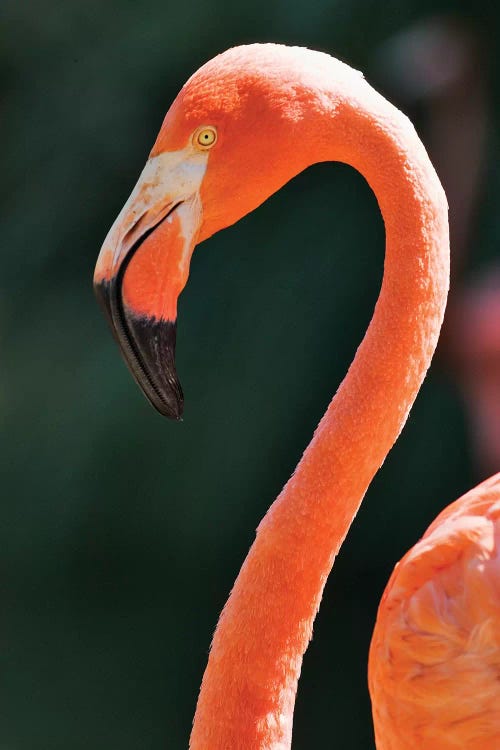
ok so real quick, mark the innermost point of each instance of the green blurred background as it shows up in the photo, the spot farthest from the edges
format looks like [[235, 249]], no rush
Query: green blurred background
[[121, 533]]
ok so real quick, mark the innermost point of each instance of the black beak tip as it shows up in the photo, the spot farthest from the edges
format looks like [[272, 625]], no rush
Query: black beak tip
[[148, 348], [170, 404], [173, 416], [151, 358]]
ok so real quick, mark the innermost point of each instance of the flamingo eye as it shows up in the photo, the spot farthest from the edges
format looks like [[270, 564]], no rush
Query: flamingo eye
[[205, 137]]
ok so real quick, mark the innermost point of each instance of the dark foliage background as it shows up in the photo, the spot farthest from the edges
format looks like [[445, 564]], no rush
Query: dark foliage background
[[120, 533]]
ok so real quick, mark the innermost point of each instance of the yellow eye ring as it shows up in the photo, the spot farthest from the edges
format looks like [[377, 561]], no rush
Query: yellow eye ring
[[205, 137]]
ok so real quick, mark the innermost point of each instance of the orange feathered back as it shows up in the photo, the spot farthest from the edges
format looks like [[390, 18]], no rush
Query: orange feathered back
[[435, 656]]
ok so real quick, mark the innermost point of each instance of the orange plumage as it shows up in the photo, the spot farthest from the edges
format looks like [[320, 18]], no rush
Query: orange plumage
[[275, 110], [435, 655]]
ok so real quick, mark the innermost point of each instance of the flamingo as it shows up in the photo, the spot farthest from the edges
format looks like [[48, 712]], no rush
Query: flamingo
[[242, 126]]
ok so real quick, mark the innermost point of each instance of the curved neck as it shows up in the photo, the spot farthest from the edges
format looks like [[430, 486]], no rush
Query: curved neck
[[248, 691]]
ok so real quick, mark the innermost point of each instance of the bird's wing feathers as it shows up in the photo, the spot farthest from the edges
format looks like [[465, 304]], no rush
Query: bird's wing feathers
[[435, 657]]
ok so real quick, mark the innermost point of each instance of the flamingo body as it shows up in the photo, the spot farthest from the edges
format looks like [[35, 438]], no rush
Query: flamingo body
[[434, 665], [241, 127]]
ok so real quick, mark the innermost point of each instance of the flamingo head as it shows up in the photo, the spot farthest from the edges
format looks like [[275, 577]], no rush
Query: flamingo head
[[233, 136]]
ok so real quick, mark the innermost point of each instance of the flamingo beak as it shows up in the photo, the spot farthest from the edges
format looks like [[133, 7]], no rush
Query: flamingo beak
[[143, 267]]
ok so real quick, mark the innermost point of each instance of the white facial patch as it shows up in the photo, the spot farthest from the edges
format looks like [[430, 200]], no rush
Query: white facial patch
[[167, 179]]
